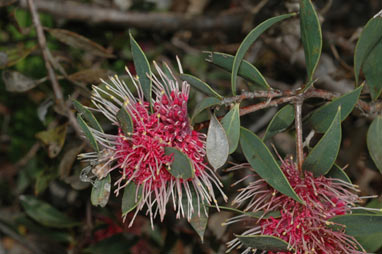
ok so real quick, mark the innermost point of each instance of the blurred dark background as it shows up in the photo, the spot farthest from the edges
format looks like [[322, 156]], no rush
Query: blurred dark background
[[38, 144]]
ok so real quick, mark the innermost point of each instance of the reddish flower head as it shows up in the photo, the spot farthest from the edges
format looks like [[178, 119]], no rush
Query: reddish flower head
[[140, 156], [304, 227]]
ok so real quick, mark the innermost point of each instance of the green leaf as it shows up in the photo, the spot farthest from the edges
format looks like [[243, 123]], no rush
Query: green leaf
[[339, 173], [373, 71], [46, 214], [280, 121], [246, 69], [322, 157], [323, 116], [142, 68], [204, 104], [311, 36], [248, 41], [125, 121], [181, 167], [200, 85], [131, 197], [89, 117], [217, 145], [263, 242], [88, 133], [117, 243], [262, 161], [101, 191], [199, 218], [231, 125], [374, 141], [360, 224], [371, 35], [372, 242], [85, 112]]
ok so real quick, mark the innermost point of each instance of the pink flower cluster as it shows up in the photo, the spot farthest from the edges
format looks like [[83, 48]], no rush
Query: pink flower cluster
[[140, 156], [304, 227]]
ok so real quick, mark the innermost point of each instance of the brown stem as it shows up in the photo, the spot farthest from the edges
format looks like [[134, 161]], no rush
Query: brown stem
[[156, 21], [298, 125]]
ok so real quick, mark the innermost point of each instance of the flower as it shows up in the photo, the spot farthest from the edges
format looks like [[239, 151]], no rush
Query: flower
[[304, 227], [140, 156]]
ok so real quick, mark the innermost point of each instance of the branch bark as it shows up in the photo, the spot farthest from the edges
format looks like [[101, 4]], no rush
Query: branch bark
[[149, 21]]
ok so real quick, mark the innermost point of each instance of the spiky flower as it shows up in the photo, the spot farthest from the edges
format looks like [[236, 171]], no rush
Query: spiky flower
[[304, 227], [140, 156]]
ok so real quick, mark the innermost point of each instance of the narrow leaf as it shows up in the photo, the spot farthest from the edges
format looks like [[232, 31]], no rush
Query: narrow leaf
[[199, 218], [142, 68], [310, 35], [280, 121], [373, 71], [217, 146], [371, 35], [78, 41], [322, 157], [88, 133], [360, 224], [246, 69], [89, 117], [200, 85], [248, 41], [264, 242], [46, 214], [125, 121], [231, 125], [262, 161], [204, 104], [374, 141], [101, 191], [339, 173], [181, 167], [323, 116], [131, 197]]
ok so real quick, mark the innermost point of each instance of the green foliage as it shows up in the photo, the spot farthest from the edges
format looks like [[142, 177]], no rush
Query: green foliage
[[322, 117], [125, 121], [231, 125], [262, 161], [46, 214], [101, 191], [264, 242], [200, 85], [311, 36], [248, 41], [367, 43], [246, 69], [143, 69], [280, 121], [181, 166], [323, 155], [374, 141]]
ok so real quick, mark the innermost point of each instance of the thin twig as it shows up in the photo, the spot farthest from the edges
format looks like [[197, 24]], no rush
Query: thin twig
[[298, 125], [51, 74]]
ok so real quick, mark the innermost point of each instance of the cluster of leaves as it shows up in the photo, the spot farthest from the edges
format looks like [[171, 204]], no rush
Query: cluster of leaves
[[225, 136]]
